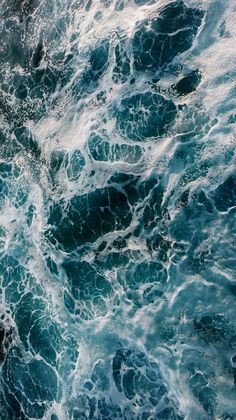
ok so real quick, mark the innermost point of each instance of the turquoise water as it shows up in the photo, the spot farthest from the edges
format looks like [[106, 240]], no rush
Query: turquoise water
[[117, 209]]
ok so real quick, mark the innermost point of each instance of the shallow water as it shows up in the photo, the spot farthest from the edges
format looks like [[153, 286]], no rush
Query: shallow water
[[117, 209]]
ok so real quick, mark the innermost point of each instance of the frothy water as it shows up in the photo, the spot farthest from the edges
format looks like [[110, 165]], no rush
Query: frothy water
[[117, 209]]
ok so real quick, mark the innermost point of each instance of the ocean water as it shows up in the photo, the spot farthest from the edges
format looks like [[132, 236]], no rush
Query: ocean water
[[117, 209]]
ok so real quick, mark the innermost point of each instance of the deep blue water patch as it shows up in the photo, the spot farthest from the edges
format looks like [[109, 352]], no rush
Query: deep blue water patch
[[145, 115], [158, 41]]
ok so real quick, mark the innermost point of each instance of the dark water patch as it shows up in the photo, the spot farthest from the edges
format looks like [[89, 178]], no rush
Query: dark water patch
[[214, 328], [7, 335], [29, 379], [88, 217], [13, 47], [99, 59], [114, 260], [225, 194], [149, 276], [145, 115], [137, 379], [136, 189], [56, 161], [142, 2], [205, 201], [203, 392], [44, 80], [36, 329], [31, 386], [189, 83], [102, 150], [22, 7], [232, 119], [158, 246], [121, 71], [232, 289], [158, 41], [140, 380], [26, 140], [38, 54], [87, 288], [99, 148]]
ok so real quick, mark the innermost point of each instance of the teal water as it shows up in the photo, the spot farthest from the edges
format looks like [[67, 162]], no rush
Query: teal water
[[117, 209]]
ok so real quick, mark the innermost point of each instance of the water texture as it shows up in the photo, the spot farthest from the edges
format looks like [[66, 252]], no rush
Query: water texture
[[117, 209]]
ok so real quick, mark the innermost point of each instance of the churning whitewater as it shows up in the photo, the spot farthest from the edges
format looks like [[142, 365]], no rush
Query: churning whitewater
[[117, 209]]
